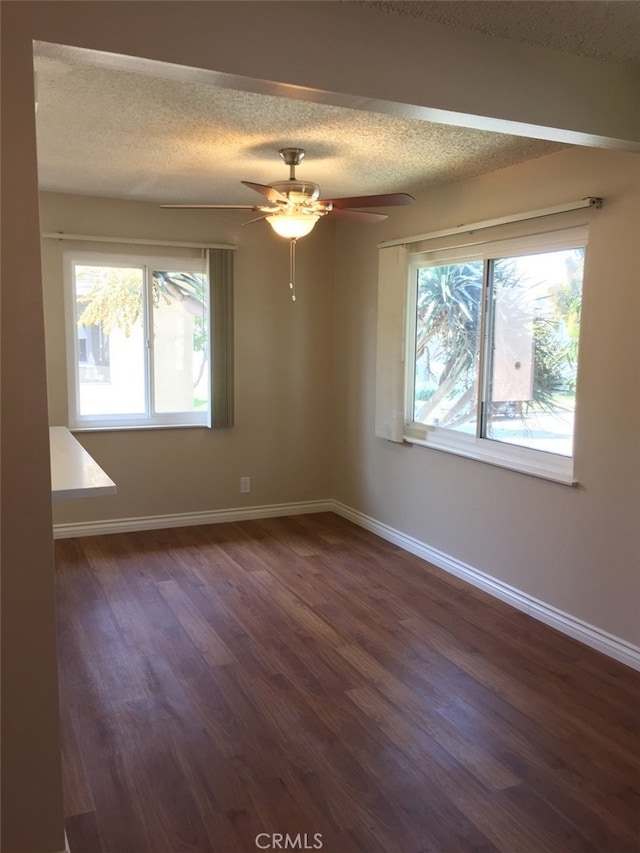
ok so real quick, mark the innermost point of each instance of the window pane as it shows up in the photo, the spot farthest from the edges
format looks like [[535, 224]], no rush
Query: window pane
[[110, 342], [181, 374], [447, 345], [533, 360]]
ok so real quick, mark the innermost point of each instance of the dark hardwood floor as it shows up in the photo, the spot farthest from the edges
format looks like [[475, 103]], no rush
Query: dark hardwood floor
[[300, 676]]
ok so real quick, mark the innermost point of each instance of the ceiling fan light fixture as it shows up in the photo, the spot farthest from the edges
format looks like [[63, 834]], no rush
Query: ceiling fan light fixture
[[293, 225]]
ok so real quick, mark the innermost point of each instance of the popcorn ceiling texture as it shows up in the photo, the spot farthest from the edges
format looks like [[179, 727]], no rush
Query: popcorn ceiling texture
[[608, 30], [116, 133], [121, 134]]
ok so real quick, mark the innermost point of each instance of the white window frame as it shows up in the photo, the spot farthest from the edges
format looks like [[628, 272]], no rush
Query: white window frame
[[149, 263], [526, 460]]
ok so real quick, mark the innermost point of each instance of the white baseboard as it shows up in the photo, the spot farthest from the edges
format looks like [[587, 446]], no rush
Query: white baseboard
[[591, 636], [187, 519]]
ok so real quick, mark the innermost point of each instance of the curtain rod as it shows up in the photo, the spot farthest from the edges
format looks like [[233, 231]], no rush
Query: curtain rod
[[61, 235], [589, 201]]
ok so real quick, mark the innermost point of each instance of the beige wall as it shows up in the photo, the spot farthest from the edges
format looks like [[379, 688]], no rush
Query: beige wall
[[282, 370], [31, 790], [577, 549], [364, 54]]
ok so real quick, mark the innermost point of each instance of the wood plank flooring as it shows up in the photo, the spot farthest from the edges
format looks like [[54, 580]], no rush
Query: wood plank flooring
[[301, 676]]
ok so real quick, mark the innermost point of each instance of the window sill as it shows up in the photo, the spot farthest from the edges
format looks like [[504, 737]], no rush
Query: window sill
[[134, 427], [534, 463]]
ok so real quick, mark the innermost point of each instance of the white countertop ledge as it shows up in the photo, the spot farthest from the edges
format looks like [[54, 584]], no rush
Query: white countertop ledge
[[74, 473]]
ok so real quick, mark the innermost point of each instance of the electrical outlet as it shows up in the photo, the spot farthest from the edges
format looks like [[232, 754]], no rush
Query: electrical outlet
[[245, 485]]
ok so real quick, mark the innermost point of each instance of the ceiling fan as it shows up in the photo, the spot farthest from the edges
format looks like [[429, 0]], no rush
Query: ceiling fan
[[293, 206]]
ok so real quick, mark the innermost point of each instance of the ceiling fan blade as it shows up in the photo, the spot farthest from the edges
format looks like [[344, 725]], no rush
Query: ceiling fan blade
[[211, 206], [356, 215], [269, 193], [384, 200], [257, 218]]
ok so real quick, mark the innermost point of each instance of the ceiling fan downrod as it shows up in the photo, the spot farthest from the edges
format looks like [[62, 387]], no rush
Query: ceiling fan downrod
[[292, 158]]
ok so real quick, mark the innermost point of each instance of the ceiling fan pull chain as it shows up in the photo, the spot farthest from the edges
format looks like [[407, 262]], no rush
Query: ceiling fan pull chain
[[292, 269]]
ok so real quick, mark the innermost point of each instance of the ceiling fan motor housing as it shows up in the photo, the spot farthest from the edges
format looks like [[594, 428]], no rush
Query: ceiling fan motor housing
[[298, 192]]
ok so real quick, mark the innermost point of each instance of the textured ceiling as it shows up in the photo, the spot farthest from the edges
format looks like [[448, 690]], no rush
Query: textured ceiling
[[608, 31], [118, 133], [123, 134]]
